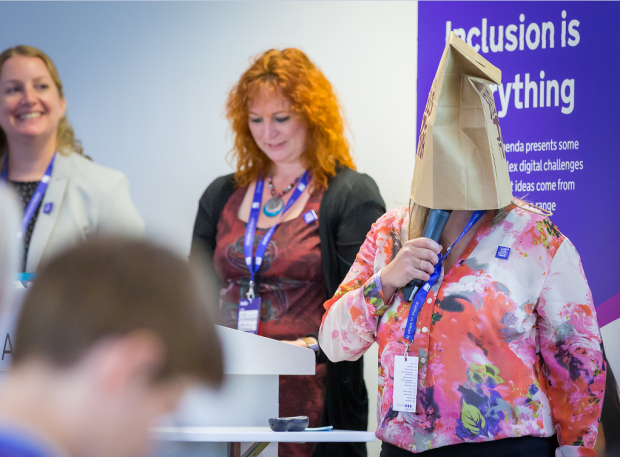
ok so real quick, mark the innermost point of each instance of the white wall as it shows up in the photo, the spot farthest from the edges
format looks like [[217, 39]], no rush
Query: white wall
[[146, 83]]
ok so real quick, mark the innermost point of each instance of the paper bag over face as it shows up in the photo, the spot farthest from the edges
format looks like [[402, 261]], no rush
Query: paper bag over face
[[461, 161]]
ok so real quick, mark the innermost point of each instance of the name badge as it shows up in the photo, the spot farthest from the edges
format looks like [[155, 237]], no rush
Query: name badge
[[405, 383], [249, 313], [310, 217], [502, 252]]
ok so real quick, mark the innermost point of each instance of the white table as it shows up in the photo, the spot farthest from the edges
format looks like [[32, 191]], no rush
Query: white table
[[260, 436]]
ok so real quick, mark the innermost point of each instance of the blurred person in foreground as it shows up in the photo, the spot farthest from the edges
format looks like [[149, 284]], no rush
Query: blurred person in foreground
[[65, 196], [502, 337], [291, 149], [111, 334], [9, 217]]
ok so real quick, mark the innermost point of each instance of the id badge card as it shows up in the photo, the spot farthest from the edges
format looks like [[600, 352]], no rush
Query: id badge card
[[249, 313], [405, 383]]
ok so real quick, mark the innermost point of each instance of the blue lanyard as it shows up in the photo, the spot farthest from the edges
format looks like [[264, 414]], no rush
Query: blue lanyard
[[254, 263], [36, 198], [420, 297], [25, 278]]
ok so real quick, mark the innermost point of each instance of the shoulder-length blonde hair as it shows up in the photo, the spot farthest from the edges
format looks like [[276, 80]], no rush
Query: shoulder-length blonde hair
[[65, 137], [295, 77]]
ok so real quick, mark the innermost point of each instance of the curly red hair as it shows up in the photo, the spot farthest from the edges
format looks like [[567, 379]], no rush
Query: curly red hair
[[295, 77]]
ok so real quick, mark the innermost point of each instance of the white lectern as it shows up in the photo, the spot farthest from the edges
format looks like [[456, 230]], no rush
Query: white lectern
[[248, 398]]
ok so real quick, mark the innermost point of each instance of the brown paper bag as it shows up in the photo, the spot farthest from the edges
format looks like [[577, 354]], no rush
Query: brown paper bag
[[461, 161]]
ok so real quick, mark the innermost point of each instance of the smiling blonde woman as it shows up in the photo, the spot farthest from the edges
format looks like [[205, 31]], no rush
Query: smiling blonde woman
[[65, 196]]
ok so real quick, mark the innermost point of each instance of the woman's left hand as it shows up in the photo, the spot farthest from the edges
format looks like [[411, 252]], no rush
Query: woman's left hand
[[298, 342]]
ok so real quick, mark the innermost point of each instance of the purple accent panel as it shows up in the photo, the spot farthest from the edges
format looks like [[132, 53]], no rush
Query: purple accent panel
[[562, 154], [608, 311]]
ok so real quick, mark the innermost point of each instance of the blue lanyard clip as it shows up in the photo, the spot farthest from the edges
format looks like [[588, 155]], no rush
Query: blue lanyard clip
[[407, 344], [250, 293]]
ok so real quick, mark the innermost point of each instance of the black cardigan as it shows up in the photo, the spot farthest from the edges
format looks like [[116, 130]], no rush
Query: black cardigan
[[350, 205]]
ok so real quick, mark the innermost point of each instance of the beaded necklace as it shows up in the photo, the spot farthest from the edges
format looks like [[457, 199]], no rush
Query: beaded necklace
[[274, 205]]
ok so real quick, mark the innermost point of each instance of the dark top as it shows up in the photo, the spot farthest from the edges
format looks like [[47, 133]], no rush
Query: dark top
[[25, 191], [350, 205], [530, 446]]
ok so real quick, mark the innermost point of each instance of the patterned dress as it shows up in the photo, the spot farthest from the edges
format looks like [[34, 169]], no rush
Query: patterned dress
[[292, 290], [507, 347]]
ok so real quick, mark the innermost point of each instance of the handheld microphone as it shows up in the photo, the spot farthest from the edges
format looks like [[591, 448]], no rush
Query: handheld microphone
[[435, 224]]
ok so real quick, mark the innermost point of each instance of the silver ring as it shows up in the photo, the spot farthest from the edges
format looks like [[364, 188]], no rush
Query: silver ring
[[421, 262]]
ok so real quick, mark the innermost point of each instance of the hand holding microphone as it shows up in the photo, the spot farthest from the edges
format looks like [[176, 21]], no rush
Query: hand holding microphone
[[415, 262]]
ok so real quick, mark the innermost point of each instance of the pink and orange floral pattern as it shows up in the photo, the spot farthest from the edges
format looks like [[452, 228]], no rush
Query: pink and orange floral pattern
[[507, 347]]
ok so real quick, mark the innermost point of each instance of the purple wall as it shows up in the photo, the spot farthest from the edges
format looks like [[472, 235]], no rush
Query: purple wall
[[571, 150]]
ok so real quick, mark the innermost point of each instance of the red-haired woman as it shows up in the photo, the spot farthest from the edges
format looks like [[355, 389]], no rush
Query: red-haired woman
[[293, 171]]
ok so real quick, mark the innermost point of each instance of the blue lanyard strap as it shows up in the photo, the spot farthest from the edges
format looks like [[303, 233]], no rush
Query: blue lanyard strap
[[420, 297], [22, 277], [25, 278], [36, 197], [254, 262]]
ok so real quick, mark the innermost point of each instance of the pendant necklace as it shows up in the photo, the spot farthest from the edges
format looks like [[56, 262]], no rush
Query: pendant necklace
[[275, 205]]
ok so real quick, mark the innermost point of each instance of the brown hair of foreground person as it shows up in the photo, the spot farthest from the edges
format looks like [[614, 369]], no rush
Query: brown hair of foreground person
[[111, 288]]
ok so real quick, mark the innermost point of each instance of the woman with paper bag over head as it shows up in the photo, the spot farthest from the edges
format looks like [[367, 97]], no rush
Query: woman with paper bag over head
[[500, 348]]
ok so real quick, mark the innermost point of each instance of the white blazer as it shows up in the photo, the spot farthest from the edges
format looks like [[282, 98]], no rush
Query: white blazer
[[86, 200]]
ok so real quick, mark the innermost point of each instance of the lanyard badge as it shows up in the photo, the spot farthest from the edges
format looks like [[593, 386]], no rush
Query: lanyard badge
[[249, 308], [36, 197], [405, 366]]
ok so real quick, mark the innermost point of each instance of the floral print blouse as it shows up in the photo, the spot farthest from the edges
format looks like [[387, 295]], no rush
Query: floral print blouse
[[507, 347]]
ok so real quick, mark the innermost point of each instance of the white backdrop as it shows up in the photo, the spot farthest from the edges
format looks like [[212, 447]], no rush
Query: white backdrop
[[146, 84]]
